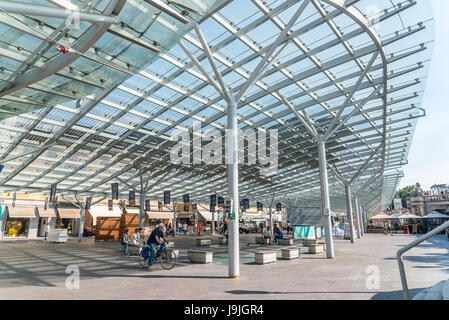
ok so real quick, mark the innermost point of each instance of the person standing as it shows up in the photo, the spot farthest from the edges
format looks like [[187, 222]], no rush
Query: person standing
[[126, 241], [46, 230], [389, 230], [184, 228]]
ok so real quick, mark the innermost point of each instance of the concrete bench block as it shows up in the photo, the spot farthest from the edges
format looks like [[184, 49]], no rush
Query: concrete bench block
[[222, 241], [286, 242], [200, 256], [290, 253], [132, 250], [265, 257], [176, 252], [303, 249], [318, 248], [260, 240], [203, 242], [308, 242]]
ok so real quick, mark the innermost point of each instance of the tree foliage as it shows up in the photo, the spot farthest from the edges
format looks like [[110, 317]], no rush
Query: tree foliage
[[404, 193]]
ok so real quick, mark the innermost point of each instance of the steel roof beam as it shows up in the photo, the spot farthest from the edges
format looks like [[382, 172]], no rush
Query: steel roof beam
[[45, 11]]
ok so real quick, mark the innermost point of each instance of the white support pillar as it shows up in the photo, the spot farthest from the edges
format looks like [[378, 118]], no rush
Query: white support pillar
[[271, 221], [233, 191], [213, 223], [362, 229], [357, 218], [271, 216], [175, 220], [325, 200], [349, 212], [365, 219], [141, 209], [142, 200], [82, 219]]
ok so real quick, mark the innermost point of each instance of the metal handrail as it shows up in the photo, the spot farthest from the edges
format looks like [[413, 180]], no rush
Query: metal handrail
[[412, 245]]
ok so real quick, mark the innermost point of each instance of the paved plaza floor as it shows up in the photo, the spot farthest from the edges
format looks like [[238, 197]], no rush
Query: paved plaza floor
[[37, 270]]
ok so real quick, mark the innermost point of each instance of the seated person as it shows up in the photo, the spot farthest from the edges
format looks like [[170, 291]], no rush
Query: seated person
[[136, 238], [278, 235], [125, 241], [267, 233], [157, 237]]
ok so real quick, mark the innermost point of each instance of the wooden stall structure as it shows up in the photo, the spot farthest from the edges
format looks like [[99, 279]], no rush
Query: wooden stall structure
[[108, 229], [112, 228]]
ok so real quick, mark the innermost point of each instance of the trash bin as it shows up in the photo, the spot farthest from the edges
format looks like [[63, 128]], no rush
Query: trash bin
[[406, 230]]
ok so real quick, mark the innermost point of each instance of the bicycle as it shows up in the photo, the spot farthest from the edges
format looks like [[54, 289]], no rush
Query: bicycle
[[166, 257]]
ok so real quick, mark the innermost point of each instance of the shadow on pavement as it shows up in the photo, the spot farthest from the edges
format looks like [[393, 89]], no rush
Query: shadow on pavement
[[395, 295]]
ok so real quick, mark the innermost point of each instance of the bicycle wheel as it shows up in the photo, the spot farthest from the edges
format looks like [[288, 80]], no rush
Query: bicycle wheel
[[143, 261], [167, 259]]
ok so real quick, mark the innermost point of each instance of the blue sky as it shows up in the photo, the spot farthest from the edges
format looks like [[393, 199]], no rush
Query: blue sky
[[429, 154]]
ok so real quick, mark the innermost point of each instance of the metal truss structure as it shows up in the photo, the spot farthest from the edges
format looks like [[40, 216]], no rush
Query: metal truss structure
[[340, 80]]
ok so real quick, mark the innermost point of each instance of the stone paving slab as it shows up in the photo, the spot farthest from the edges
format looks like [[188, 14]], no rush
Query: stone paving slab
[[37, 270]]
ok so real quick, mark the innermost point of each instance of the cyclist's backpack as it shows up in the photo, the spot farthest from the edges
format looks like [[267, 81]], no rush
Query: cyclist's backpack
[[145, 252]]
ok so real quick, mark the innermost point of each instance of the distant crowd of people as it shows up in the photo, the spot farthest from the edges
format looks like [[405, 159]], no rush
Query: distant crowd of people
[[136, 239], [278, 233]]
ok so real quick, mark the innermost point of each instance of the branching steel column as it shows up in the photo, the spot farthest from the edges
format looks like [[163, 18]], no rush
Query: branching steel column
[[357, 217], [271, 216], [142, 200], [175, 220], [362, 233], [325, 201], [233, 190], [349, 211], [365, 218], [213, 223], [82, 219]]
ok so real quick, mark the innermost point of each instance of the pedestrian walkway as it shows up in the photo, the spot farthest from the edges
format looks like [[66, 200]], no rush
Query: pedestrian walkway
[[37, 270]]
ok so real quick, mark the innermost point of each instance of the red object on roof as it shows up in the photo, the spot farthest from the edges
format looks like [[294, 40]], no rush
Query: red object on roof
[[63, 49]]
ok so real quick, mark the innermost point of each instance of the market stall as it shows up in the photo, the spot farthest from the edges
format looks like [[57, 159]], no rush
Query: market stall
[[21, 221], [45, 216], [68, 218]]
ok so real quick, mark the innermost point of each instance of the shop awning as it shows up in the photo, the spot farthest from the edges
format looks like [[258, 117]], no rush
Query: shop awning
[[103, 211], [206, 215], [49, 213], [21, 212], [184, 215], [383, 216], [132, 210], [66, 213], [159, 215]]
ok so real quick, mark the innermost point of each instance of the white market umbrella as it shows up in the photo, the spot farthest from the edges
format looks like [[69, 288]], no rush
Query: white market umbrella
[[382, 216], [409, 216], [436, 215]]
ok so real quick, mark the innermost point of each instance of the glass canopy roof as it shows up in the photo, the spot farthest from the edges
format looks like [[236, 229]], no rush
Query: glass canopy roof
[[115, 108]]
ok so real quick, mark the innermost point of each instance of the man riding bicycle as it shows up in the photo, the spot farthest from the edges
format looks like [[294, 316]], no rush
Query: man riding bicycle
[[156, 238]]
